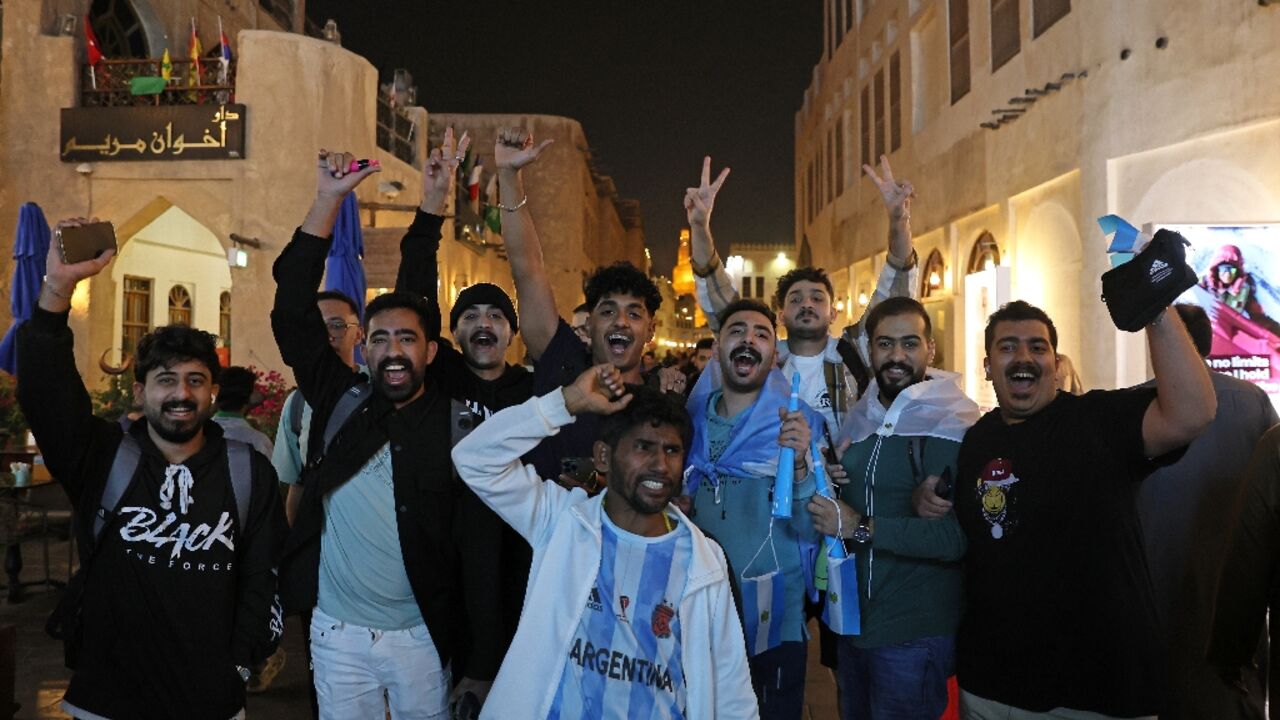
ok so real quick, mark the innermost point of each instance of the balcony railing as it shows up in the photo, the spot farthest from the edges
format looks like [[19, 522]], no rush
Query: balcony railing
[[395, 130], [114, 83]]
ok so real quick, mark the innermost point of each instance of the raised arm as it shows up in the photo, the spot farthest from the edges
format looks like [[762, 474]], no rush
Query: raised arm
[[420, 247], [295, 318], [714, 286], [51, 393], [897, 196], [1185, 402], [538, 313]]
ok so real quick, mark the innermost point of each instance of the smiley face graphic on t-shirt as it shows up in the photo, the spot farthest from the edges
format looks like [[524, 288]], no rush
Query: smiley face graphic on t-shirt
[[993, 489]]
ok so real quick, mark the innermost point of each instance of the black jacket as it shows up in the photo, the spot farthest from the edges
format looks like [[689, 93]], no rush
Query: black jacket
[[449, 558], [165, 621]]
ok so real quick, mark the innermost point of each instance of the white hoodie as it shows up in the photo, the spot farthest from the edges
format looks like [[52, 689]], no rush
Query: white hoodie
[[563, 527]]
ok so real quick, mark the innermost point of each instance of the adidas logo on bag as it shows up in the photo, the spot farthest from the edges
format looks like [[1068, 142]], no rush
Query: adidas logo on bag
[[1159, 271]]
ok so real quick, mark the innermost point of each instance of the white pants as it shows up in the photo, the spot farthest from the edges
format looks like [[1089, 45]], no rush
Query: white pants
[[354, 666]]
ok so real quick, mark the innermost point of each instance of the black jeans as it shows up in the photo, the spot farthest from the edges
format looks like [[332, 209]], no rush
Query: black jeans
[[777, 676]]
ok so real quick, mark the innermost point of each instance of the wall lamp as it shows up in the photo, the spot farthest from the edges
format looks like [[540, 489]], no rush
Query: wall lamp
[[236, 256]]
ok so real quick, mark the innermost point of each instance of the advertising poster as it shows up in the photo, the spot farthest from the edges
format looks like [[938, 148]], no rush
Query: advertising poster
[[1238, 267]]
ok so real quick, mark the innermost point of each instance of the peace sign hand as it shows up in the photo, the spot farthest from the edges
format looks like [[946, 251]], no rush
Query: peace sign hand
[[699, 201], [441, 171], [897, 194]]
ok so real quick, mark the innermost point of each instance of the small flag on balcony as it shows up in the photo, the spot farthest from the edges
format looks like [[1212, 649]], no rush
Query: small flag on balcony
[[492, 217], [224, 55], [166, 67], [193, 52], [473, 186], [92, 51], [146, 85]]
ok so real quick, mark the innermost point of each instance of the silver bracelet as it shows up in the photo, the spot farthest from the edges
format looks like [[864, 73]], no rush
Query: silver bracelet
[[517, 206], [45, 284]]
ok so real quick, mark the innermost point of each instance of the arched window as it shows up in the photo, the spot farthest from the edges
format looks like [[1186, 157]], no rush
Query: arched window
[[179, 306], [985, 253], [118, 28], [931, 280], [224, 318]]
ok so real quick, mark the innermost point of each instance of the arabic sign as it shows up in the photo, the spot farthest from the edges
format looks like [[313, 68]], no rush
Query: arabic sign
[[165, 132]]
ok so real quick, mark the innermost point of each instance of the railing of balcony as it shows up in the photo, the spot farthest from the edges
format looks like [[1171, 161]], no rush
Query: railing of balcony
[[111, 84], [395, 130]]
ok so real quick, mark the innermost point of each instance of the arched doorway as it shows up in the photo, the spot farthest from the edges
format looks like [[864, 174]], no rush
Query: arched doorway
[[171, 269], [128, 29], [985, 253]]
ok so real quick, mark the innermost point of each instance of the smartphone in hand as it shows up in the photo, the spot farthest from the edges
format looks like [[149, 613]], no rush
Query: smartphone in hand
[[78, 243], [945, 486]]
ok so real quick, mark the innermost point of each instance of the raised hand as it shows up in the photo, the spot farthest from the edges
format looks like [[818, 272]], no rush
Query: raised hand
[[599, 390], [440, 173], [515, 149], [63, 277], [897, 194], [333, 178], [699, 201]]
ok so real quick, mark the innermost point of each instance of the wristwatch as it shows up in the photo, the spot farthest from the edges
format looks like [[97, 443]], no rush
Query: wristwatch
[[862, 533], [244, 672]]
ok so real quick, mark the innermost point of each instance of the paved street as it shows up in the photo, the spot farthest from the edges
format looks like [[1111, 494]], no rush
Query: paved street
[[41, 679]]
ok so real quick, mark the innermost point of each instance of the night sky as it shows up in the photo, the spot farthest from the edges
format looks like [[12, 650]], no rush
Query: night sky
[[656, 84]]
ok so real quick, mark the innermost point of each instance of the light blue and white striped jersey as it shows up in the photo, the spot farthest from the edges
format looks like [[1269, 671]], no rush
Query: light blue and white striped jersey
[[624, 661]]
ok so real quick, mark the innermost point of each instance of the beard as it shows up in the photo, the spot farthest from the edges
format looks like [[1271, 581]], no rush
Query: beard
[[176, 431], [398, 393], [891, 388]]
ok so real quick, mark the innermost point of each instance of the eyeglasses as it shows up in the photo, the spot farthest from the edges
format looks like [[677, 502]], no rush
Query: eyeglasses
[[338, 327]]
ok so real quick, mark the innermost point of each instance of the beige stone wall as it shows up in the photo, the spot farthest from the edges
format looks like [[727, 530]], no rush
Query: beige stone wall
[[302, 94], [1185, 133], [578, 225]]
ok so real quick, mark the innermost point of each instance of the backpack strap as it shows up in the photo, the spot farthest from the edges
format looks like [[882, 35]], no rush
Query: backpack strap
[[240, 465], [294, 412], [346, 406], [853, 361], [123, 467]]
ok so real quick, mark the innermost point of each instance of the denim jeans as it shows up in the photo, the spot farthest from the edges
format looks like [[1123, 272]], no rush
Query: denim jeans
[[777, 676], [906, 681]]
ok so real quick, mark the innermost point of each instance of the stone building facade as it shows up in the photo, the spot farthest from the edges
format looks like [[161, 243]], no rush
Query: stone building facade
[[175, 219], [1020, 122]]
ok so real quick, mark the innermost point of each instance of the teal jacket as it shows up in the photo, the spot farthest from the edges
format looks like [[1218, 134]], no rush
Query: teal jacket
[[909, 579]]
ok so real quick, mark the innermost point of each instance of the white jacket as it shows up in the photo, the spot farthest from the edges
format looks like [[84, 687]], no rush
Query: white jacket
[[564, 529]]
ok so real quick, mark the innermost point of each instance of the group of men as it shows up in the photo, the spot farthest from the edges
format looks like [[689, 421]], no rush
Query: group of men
[[614, 542]]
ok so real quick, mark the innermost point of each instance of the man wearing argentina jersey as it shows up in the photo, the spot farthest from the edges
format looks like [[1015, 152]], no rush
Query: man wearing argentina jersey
[[629, 611]]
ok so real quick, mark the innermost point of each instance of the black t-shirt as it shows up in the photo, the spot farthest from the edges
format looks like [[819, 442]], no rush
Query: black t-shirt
[[564, 359], [1059, 605]]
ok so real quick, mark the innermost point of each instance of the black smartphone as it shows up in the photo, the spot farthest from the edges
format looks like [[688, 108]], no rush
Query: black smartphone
[[85, 242], [830, 451], [578, 468], [945, 486]]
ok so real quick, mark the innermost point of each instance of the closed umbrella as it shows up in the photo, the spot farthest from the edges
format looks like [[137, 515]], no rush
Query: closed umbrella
[[344, 268], [30, 247]]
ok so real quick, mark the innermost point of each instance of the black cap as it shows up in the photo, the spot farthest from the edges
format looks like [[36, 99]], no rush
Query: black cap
[[484, 294]]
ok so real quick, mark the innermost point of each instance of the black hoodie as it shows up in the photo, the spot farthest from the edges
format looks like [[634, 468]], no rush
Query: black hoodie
[[177, 594]]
